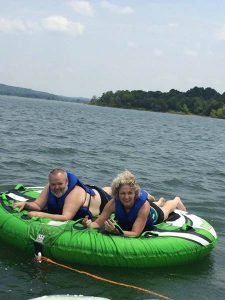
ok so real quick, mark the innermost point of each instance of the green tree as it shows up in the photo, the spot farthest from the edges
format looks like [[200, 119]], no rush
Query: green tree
[[219, 113]]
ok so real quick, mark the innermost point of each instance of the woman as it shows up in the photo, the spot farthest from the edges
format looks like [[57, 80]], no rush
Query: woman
[[132, 208]]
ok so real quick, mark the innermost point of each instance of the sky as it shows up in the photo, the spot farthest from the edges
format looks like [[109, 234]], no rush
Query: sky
[[86, 48]]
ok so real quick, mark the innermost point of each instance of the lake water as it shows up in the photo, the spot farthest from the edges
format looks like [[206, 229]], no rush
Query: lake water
[[169, 154]]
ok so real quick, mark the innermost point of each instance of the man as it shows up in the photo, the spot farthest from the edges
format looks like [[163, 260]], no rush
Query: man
[[67, 198]]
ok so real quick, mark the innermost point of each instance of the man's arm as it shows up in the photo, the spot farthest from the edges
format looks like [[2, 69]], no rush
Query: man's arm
[[36, 205], [73, 202]]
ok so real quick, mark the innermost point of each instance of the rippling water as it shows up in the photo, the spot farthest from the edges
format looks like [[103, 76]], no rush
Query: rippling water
[[169, 154]]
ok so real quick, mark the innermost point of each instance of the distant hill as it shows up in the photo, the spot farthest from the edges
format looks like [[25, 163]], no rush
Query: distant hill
[[29, 93]]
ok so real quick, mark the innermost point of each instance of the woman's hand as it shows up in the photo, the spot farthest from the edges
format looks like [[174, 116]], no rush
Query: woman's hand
[[86, 222], [20, 205], [109, 226]]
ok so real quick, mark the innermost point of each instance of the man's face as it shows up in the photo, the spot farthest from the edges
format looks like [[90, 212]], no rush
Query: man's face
[[58, 184]]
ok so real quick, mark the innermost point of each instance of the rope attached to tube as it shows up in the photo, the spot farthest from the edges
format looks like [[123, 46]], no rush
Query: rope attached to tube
[[105, 279]]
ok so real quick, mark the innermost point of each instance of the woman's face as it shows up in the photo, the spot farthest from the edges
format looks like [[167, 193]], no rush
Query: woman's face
[[127, 196]]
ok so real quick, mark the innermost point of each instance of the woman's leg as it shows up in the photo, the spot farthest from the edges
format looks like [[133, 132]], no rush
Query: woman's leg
[[171, 205], [108, 190], [161, 202]]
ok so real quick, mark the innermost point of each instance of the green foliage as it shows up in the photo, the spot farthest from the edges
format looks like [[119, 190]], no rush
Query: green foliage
[[219, 113], [199, 101]]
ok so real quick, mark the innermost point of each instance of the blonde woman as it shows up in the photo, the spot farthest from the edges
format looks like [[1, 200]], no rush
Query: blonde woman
[[132, 208]]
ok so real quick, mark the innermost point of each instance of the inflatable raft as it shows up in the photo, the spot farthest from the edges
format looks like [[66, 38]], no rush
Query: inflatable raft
[[183, 238]]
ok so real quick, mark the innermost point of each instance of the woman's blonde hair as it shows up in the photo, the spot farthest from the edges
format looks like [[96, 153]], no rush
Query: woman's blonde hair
[[124, 178]]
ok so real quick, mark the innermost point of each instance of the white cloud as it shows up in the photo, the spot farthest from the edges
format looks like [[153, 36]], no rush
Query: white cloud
[[123, 10], [190, 52], [221, 34], [61, 24], [52, 23], [82, 7], [7, 25]]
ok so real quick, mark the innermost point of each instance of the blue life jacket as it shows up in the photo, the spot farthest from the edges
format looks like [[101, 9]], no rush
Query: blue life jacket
[[55, 205], [126, 220]]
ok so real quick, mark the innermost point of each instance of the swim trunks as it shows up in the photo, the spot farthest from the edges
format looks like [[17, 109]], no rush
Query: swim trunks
[[159, 212]]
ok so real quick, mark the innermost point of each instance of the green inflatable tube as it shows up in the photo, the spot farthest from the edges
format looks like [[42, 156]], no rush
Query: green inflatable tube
[[182, 239]]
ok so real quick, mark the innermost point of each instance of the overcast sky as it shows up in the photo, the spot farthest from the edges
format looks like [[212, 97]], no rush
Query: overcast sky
[[85, 48]]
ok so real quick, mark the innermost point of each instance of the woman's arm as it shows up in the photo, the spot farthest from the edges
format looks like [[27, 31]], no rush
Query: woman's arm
[[138, 226], [140, 221], [99, 222]]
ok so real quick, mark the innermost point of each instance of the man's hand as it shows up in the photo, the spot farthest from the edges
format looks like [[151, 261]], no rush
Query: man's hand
[[38, 214], [20, 205]]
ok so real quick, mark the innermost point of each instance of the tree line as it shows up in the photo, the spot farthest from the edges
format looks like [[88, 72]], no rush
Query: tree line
[[198, 101]]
